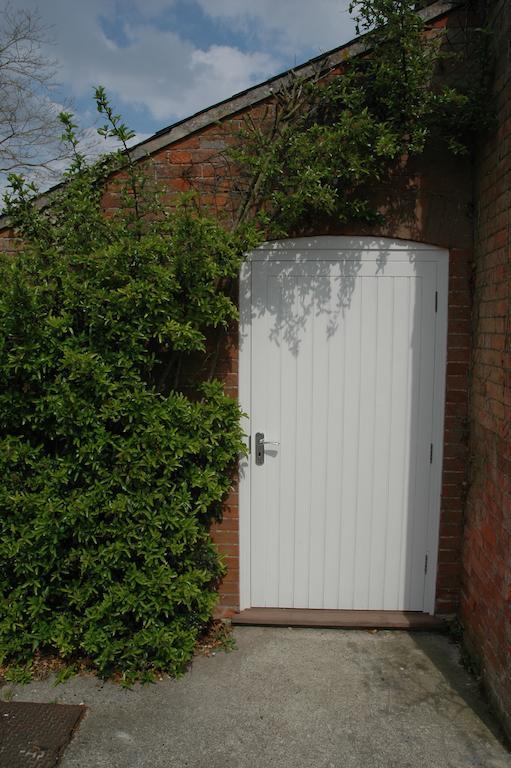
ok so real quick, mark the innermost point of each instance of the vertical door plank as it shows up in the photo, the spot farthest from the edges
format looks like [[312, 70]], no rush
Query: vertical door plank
[[289, 419], [424, 370], [271, 370], [259, 520], [304, 395], [412, 440], [382, 440], [319, 430], [366, 454], [398, 480], [350, 433], [334, 449]]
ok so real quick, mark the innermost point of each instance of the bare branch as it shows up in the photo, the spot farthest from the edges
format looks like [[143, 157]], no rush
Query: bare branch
[[29, 125]]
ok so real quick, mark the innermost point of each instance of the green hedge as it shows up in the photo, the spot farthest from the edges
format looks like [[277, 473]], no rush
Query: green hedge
[[109, 474]]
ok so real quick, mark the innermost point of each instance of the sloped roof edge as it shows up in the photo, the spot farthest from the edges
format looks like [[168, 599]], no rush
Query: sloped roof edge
[[262, 91], [250, 97]]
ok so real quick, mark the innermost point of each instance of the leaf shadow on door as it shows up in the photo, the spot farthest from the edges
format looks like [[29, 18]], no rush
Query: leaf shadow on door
[[298, 299]]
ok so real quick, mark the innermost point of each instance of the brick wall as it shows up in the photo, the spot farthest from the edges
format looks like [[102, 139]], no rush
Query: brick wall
[[486, 603], [427, 200], [454, 479]]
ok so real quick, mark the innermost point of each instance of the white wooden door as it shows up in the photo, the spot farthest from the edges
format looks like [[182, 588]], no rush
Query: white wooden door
[[342, 368]]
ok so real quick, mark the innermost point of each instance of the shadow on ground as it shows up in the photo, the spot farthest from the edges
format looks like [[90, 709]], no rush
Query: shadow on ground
[[463, 685], [296, 698]]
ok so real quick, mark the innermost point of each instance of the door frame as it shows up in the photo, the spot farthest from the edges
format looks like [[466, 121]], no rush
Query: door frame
[[341, 248]]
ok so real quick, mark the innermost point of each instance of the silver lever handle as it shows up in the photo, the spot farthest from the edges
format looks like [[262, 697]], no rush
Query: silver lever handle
[[260, 442]]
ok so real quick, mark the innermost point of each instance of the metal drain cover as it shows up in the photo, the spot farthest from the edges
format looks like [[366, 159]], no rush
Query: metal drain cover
[[35, 734]]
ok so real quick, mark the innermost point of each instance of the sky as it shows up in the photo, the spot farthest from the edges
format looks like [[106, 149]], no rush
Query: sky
[[163, 60]]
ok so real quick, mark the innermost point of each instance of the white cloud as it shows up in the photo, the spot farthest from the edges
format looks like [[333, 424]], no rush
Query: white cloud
[[291, 25], [172, 77], [160, 72], [230, 66], [156, 70]]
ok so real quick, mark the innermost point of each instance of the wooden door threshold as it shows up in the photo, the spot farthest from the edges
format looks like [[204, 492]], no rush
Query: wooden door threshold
[[318, 617]]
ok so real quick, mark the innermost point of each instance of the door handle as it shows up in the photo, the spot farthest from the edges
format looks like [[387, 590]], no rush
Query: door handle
[[260, 442]]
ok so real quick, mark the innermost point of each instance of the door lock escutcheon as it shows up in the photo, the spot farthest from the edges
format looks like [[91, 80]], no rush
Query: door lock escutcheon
[[260, 442]]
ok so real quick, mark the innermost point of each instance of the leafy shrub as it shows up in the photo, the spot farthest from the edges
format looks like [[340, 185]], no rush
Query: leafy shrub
[[109, 474], [325, 142]]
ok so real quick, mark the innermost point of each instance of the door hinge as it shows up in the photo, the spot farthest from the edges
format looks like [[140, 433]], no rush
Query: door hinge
[[436, 301], [431, 453], [426, 563], [250, 444]]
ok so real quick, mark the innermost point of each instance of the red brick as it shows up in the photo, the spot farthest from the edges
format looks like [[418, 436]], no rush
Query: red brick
[[487, 548]]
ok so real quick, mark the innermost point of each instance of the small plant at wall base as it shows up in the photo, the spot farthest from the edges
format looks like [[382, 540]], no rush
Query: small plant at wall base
[[110, 474]]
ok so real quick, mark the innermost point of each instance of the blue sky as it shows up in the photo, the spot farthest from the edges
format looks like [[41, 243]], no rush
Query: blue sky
[[161, 60]]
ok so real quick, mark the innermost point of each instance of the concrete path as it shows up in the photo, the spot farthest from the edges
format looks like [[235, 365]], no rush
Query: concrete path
[[291, 698]]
